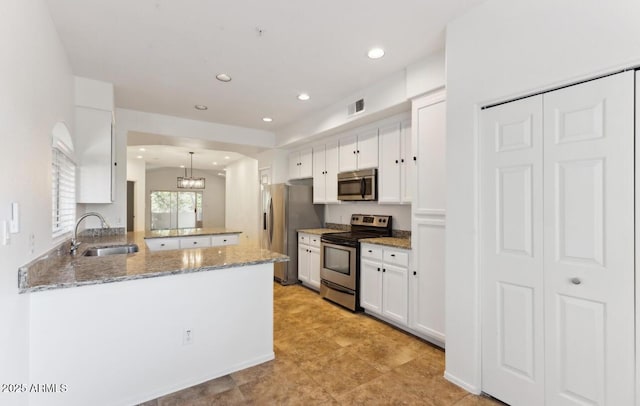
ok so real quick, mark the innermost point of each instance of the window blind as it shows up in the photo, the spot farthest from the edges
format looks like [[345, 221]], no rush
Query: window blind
[[63, 179]]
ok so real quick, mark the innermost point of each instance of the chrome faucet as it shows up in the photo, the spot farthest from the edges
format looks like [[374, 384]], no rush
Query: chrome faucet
[[74, 241]]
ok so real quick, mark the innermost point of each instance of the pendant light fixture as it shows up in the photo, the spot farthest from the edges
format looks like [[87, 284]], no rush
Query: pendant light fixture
[[189, 182]]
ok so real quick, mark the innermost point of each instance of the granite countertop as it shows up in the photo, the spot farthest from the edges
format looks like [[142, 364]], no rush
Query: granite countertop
[[59, 269], [188, 232], [320, 231], [394, 242]]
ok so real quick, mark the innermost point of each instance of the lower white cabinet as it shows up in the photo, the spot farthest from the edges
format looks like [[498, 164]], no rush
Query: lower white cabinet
[[195, 242], [162, 244], [384, 282], [309, 260], [225, 239], [198, 241]]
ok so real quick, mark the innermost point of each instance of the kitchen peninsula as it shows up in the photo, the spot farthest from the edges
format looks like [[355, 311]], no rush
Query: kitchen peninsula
[[178, 318]]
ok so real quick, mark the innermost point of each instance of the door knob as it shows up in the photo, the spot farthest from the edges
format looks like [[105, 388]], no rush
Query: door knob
[[576, 281]]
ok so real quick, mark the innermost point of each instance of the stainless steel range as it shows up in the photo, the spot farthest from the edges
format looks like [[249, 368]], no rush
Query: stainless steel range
[[340, 259]]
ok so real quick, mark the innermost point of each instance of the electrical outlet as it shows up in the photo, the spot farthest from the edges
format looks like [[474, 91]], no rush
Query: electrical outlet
[[187, 336]]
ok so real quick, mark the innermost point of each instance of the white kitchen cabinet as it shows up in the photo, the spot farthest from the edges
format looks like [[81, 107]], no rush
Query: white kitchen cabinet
[[309, 260], [426, 309], [300, 164], [384, 282], [325, 173], [359, 151], [162, 244], [95, 155], [225, 239], [371, 285], [195, 242], [395, 169]]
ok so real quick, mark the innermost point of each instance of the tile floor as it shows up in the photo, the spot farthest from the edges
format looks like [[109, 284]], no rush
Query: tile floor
[[326, 355]]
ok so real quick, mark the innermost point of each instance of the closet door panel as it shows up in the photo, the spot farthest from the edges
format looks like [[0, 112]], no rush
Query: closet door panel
[[512, 257], [589, 242]]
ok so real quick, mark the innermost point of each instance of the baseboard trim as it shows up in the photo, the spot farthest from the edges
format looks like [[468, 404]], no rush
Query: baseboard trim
[[464, 385]]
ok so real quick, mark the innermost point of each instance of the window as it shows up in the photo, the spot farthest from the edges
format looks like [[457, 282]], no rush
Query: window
[[176, 210], [63, 182]]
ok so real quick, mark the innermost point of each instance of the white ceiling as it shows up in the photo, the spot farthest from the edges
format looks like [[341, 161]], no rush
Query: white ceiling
[[157, 156], [163, 55]]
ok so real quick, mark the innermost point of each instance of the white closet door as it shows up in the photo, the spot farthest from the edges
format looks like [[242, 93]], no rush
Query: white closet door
[[512, 257], [589, 242]]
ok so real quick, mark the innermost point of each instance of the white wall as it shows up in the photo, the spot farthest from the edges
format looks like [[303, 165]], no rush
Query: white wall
[[37, 92], [213, 196], [278, 161], [499, 50], [341, 213], [122, 343], [136, 172], [426, 75], [243, 199]]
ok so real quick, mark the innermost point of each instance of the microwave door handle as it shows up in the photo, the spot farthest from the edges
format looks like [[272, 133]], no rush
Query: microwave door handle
[[363, 187]]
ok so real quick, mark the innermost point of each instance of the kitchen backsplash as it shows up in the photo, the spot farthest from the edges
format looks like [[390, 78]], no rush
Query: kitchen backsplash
[[347, 227]]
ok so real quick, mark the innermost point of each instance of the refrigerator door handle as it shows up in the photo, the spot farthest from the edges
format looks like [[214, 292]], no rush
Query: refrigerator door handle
[[264, 220], [270, 222]]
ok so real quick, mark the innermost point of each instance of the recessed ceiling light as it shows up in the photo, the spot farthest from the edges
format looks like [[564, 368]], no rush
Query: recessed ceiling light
[[200, 107], [182, 166], [224, 169], [303, 96], [141, 149], [267, 119], [139, 157], [226, 157], [223, 77], [375, 53], [215, 163]]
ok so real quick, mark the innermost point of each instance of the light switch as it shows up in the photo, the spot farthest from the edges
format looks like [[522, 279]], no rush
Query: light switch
[[6, 236]]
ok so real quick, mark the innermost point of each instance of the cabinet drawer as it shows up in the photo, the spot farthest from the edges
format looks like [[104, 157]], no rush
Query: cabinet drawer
[[371, 252], [195, 242], [304, 239], [314, 240], [224, 239], [400, 258], [162, 244]]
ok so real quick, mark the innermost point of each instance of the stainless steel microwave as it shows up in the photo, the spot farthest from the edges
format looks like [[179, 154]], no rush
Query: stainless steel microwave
[[358, 185]]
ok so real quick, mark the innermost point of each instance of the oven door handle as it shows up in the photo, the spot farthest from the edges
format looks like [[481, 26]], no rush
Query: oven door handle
[[336, 287]]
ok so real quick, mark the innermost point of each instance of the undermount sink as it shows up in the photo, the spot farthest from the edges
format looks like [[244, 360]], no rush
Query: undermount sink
[[110, 250]]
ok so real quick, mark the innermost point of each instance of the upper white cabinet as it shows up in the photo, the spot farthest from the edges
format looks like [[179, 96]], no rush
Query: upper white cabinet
[[94, 140], [94, 154], [429, 148], [395, 170], [325, 171], [358, 151], [300, 164]]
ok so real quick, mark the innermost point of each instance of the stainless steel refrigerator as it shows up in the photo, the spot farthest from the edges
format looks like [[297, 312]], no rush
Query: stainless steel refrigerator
[[286, 209]]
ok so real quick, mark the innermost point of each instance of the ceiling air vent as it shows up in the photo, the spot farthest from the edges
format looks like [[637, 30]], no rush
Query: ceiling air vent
[[355, 108]]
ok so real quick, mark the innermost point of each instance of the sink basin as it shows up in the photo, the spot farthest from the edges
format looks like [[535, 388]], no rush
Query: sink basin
[[110, 250]]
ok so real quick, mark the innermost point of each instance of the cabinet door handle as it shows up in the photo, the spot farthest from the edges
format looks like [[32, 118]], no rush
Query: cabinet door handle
[[162, 245], [384, 270], [415, 273], [576, 281], [358, 151], [195, 243], [369, 251], [396, 161], [378, 269], [393, 255], [224, 240], [354, 152], [402, 160], [415, 159]]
